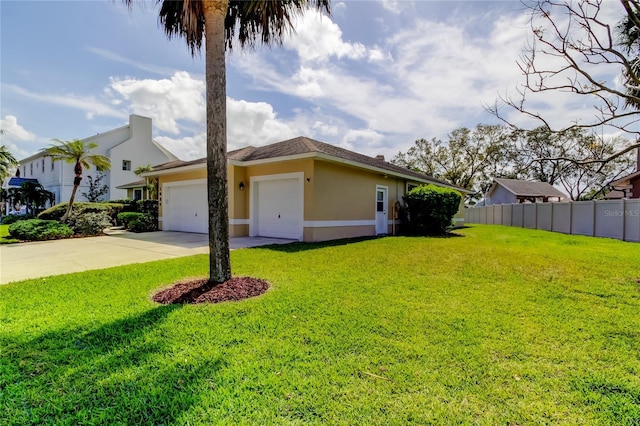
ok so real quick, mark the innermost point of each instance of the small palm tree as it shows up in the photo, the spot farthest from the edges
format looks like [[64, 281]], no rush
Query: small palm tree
[[150, 184], [33, 196], [7, 162], [79, 153], [219, 23]]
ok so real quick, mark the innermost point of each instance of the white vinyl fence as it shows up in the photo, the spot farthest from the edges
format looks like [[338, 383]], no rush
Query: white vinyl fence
[[618, 219]]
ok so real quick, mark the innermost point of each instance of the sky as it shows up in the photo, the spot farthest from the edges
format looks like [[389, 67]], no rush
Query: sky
[[373, 77]]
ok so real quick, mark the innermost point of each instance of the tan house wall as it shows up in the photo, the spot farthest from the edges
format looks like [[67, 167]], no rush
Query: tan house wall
[[332, 192], [342, 193]]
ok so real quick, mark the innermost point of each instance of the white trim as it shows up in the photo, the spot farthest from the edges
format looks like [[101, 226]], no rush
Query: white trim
[[385, 209], [254, 183], [239, 221], [312, 155], [177, 169], [337, 223]]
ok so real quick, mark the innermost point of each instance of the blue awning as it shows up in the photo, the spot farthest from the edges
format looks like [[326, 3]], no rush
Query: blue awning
[[16, 181]]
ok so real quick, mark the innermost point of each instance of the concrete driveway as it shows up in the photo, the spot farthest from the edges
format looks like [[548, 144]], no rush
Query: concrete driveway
[[43, 258]]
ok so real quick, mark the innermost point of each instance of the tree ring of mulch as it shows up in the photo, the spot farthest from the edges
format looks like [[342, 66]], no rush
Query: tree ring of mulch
[[200, 290]]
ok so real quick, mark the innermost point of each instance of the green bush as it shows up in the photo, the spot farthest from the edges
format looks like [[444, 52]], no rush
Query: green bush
[[143, 224], [80, 208], [431, 209], [88, 224], [13, 218], [39, 230], [125, 218], [137, 222]]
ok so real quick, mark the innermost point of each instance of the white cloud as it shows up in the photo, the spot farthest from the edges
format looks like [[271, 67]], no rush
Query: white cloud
[[11, 128], [89, 104], [318, 38], [112, 56], [187, 147], [254, 123], [167, 100], [20, 141]]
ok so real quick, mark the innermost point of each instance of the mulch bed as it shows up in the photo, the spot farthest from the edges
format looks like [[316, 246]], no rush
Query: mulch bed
[[201, 291]]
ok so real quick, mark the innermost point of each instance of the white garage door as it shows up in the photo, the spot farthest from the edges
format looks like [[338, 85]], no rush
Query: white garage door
[[185, 208], [280, 208]]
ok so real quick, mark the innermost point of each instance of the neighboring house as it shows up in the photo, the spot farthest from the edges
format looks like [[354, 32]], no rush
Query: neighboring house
[[628, 186], [513, 191], [136, 190], [128, 147], [300, 189]]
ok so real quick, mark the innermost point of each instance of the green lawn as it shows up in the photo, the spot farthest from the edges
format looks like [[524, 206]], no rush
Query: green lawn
[[5, 238], [500, 326]]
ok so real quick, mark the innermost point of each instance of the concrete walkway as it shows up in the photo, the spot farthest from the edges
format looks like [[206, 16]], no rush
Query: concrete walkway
[[43, 258]]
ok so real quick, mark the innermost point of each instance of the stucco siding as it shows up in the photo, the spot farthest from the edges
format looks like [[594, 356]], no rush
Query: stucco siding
[[343, 193], [335, 233]]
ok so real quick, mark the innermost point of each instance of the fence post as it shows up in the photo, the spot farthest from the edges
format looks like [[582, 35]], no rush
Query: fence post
[[624, 216]]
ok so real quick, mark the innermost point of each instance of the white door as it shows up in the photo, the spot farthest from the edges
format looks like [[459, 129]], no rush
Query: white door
[[185, 208], [382, 224], [279, 208]]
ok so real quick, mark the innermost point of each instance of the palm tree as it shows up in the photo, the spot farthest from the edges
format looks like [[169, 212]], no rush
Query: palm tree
[[7, 162], [33, 196], [218, 22], [79, 153], [150, 184]]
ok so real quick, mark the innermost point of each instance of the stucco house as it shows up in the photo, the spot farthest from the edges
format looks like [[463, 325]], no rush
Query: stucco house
[[513, 191], [128, 147], [299, 189], [628, 186]]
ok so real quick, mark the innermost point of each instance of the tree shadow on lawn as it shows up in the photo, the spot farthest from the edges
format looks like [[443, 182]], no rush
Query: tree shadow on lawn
[[120, 373], [301, 246]]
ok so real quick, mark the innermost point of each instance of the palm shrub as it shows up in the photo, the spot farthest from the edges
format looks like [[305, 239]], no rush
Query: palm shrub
[[431, 209], [39, 230]]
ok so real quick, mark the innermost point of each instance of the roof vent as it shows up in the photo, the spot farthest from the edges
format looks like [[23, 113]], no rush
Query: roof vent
[[380, 157]]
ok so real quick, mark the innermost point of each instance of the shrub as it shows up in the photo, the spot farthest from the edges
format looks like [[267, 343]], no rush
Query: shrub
[[89, 223], [143, 224], [431, 209], [13, 218], [39, 230], [137, 222], [56, 212], [125, 218]]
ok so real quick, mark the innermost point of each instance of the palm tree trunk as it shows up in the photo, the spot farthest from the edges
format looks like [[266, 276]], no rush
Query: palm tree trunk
[[76, 184], [219, 261]]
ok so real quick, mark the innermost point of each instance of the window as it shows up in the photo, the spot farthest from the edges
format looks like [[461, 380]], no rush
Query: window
[[52, 163], [137, 194], [126, 165], [380, 201], [43, 165], [31, 168]]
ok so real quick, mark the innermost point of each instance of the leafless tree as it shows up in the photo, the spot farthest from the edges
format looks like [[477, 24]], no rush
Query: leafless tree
[[573, 45]]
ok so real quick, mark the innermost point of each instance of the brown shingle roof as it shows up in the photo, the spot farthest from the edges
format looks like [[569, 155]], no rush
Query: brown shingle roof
[[523, 188], [303, 145]]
